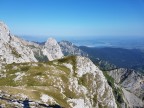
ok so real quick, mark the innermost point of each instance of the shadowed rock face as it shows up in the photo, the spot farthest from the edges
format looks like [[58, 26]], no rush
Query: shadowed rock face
[[69, 48], [129, 79], [132, 83]]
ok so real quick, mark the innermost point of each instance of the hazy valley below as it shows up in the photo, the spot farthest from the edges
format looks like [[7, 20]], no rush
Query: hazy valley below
[[126, 42]]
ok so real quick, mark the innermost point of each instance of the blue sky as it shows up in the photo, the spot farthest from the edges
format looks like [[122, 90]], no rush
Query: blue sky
[[65, 18]]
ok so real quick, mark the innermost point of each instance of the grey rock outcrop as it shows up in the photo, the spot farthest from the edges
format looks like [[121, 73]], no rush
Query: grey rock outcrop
[[52, 49], [69, 48], [12, 49], [132, 84]]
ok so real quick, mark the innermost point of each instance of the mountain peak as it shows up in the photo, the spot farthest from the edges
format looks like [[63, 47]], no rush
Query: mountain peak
[[12, 49], [52, 49], [51, 41]]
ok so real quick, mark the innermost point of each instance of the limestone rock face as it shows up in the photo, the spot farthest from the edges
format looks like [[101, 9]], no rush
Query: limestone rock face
[[132, 84], [69, 48], [96, 84], [12, 49], [52, 49], [130, 80]]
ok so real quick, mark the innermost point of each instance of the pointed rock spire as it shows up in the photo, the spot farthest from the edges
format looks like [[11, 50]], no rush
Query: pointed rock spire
[[52, 49]]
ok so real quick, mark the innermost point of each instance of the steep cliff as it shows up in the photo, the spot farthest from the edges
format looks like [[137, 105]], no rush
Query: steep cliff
[[12, 49], [132, 84]]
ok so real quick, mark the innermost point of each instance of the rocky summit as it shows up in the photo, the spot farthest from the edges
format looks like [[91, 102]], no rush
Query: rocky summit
[[12, 49], [52, 49]]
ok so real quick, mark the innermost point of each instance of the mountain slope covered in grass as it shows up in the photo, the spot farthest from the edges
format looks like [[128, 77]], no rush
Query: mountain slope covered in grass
[[71, 82]]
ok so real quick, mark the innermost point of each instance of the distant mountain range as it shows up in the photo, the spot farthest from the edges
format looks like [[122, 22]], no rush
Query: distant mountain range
[[122, 58], [115, 57]]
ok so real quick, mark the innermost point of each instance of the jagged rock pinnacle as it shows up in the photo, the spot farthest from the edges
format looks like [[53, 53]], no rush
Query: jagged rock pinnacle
[[52, 49]]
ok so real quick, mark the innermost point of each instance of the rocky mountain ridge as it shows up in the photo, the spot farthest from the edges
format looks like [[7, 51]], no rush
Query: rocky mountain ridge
[[69, 48], [12, 49], [15, 49]]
